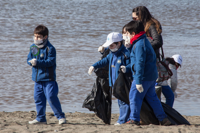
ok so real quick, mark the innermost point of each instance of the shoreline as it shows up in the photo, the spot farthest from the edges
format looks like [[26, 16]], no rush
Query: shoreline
[[77, 122]]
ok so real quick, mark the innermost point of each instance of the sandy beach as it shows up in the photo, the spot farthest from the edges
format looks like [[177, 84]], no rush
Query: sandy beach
[[17, 122]]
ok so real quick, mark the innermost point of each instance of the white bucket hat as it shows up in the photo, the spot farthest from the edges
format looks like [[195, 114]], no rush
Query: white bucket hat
[[177, 58], [113, 37]]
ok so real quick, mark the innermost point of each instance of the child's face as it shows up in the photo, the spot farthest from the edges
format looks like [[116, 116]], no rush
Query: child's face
[[113, 46], [131, 35], [39, 37]]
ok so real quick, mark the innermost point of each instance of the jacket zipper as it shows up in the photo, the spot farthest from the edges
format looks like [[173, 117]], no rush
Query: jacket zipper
[[37, 71], [45, 72]]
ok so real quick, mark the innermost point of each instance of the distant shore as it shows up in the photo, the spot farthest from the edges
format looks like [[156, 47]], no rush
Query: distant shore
[[17, 122]]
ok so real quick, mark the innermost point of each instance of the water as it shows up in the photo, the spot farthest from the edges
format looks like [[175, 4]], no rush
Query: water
[[77, 28]]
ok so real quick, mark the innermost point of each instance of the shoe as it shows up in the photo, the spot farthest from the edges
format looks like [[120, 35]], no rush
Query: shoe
[[117, 124], [36, 122], [133, 122], [62, 121], [165, 122]]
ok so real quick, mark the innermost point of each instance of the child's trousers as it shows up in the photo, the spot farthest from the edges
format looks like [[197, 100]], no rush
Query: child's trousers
[[47, 90], [169, 95], [124, 112], [136, 99]]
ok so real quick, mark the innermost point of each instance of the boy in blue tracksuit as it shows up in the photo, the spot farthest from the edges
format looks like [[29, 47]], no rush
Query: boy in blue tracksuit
[[42, 58], [143, 64], [117, 59]]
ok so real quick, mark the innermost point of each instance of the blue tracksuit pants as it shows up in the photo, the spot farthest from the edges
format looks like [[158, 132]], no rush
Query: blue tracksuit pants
[[47, 90], [136, 99], [124, 112], [169, 95]]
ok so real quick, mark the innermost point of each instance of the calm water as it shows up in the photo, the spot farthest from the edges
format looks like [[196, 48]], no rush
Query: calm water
[[77, 28]]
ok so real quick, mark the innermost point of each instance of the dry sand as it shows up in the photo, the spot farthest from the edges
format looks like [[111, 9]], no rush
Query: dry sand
[[17, 122]]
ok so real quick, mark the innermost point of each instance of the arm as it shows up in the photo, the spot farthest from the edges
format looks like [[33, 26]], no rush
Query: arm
[[51, 59], [29, 57], [102, 63], [156, 40], [140, 56], [173, 80]]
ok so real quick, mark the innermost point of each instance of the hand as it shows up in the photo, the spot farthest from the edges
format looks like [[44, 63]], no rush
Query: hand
[[123, 68], [101, 49], [140, 88], [91, 69], [33, 62]]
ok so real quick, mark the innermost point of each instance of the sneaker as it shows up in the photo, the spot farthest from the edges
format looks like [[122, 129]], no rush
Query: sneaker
[[133, 122], [62, 121], [36, 122], [117, 124], [165, 122]]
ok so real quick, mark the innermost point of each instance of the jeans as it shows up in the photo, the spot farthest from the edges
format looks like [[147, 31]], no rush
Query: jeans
[[136, 99], [47, 90]]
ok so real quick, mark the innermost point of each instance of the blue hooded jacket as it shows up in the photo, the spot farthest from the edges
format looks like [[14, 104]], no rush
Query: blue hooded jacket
[[122, 57], [45, 69], [143, 58]]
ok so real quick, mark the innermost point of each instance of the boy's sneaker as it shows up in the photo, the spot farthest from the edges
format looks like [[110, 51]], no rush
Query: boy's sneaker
[[62, 121], [133, 122], [165, 122], [36, 122], [117, 124]]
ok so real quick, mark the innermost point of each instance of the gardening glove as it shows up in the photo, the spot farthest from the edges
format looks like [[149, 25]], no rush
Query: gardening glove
[[33, 62], [101, 49], [123, 68], [91, 69], [140, 88]]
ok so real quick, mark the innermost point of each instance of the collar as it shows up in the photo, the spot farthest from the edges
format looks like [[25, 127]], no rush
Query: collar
[[137, 36]]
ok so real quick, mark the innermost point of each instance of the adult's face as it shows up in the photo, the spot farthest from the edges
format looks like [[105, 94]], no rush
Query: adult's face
[[134, 16]]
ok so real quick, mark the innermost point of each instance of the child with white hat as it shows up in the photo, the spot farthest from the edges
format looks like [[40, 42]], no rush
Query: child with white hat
[[173, 81], [118, 58]]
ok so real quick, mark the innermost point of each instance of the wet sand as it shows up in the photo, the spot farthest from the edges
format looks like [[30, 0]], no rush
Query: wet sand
[[17, 122]]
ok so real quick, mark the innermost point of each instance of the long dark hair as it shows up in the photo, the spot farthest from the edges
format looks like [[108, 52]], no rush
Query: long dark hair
[[147, 19]]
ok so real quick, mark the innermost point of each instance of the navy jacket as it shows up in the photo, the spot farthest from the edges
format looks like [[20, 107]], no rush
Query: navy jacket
[[143, 59], [45, 69], [123, 58]]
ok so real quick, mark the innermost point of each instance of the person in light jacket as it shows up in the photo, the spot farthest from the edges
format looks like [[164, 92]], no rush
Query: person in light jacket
[[173, 81]]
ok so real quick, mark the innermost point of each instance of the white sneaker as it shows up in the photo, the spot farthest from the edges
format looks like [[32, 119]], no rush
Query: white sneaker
[[117, 124], [62, 121], [36, 122]]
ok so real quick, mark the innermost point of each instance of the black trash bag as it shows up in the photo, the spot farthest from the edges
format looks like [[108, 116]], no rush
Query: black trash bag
[[103, 100], [174, 115], [99, 100], [147, 115], [122, 87]]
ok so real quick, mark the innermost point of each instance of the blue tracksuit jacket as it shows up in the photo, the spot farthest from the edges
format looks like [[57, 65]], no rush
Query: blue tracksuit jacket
[[143, 59], [45, 69]]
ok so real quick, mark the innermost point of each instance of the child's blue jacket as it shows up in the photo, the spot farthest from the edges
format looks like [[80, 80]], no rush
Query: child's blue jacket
[[143, 60], [45, 69]]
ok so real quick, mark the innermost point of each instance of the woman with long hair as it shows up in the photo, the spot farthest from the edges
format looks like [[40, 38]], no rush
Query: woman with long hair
[[152, 27]]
